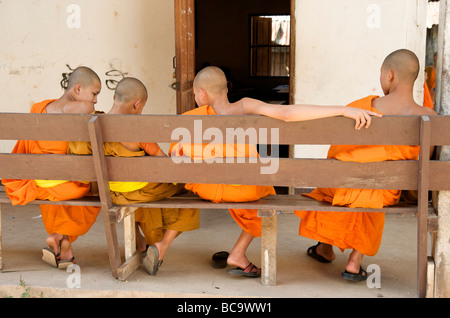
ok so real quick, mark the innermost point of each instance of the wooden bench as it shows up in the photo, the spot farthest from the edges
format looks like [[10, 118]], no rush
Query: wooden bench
[[422, 175]]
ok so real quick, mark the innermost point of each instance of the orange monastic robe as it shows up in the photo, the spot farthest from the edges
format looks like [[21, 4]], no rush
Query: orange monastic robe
[[72, 221], [356, 230], [427, 100], [246, 218]]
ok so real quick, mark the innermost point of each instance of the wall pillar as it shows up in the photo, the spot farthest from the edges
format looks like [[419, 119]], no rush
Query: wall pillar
[[442, 252]]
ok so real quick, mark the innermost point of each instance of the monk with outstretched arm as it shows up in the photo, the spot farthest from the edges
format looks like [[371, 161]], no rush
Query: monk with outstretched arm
[[210, 90]]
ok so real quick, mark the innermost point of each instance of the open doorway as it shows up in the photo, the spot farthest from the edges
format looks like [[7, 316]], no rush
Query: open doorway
[[250, 41]]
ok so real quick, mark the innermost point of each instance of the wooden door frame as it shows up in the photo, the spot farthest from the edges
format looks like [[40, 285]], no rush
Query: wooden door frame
[[184, 54], [292, 46]]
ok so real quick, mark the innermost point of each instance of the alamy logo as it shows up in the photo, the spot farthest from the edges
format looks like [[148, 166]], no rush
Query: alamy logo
[[240, 146], [374, 279], [74, 19], [74, 279]]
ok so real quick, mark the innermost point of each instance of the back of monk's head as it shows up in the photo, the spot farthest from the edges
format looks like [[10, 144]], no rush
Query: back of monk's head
[[404, 63], [212, 79], [130, 89], [84, 76]]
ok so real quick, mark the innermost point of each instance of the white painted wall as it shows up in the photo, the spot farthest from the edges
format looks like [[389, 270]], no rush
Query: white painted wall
[[341, 45], [38, 39]]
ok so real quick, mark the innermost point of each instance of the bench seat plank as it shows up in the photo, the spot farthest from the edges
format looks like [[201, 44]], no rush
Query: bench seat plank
[[280, 202]]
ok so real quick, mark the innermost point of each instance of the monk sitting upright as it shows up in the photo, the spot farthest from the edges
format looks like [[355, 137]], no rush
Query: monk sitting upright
[[362, 232], [63, 223], [210, 89], [159, 225]]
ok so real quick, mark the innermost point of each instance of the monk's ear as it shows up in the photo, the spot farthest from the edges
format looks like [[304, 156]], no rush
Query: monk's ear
[[391, 75], [77, 89], [136, 103], [204, 93]]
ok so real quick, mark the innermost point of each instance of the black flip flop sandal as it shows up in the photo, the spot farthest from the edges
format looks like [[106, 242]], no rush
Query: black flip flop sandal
[[248, 271], [151, 261], [313, 253], [219, 259], [49, 257], [359, 277]]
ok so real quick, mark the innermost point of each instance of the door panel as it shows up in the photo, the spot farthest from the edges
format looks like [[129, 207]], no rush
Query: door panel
[[185, 54]]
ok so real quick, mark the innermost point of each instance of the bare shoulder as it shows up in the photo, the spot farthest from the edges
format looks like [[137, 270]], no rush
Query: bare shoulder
[[79, 107], [236, 108], [251, 106], [424, 111]]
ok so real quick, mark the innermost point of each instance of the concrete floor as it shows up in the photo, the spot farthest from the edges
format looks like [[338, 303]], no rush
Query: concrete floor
[[187, 270]]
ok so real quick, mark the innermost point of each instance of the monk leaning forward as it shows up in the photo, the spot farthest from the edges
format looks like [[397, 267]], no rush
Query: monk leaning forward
[[63, 223], [160, 226]]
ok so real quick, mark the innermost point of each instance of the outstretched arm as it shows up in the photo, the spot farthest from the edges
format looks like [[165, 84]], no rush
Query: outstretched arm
[[306, 112]]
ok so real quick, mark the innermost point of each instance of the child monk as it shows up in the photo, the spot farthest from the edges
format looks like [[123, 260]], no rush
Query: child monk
[[63, 223], [210, 90], [160, 226], [362, 232]]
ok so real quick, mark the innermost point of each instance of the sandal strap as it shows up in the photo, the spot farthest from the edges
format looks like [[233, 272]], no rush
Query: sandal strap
[[250, 268]]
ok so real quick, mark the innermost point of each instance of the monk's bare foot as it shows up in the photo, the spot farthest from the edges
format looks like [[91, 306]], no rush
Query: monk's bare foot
[[162, 250], [53, 242], [238, 260], [164, 245], [354, 262], [326, 251], [66, 253]]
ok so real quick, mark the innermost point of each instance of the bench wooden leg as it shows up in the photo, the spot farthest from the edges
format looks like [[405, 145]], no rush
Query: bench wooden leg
[[112, 242], [422, 256], [129, 233], [268, 247], [133, 259]]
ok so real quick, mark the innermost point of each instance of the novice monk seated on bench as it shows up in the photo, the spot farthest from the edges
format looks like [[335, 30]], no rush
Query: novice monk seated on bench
[[159, 225], [64, 223], [362, 231], [210, 89]]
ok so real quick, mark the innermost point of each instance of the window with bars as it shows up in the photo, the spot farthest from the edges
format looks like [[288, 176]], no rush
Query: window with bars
[[269, 47]]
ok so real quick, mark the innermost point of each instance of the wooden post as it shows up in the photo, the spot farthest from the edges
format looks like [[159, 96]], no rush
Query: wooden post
[[104, 192], [268, 247]]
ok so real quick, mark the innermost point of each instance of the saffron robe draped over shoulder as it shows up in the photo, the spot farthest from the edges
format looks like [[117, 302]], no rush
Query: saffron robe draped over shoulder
[[72, 221], [247, 219], [427, 100], [356, 230], [152, 221]]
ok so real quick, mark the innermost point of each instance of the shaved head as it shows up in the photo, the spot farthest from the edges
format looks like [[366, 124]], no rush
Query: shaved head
[[212, 79], [84, 76], [129, 89], [404, 63]]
